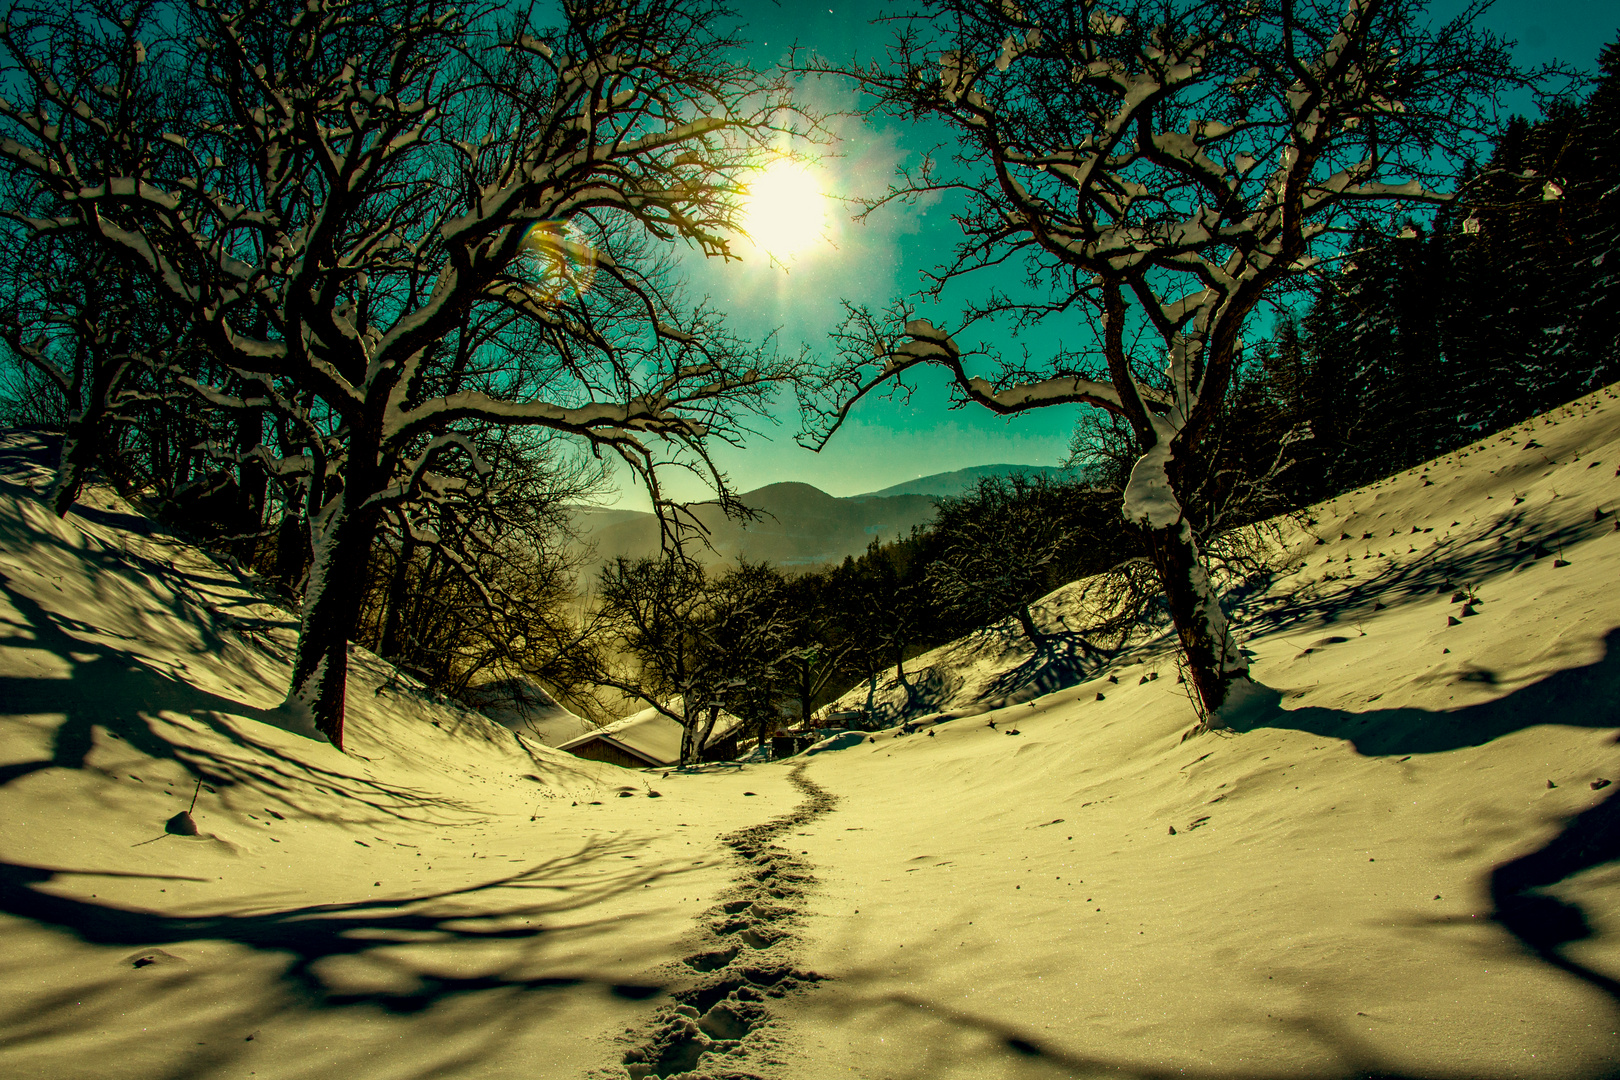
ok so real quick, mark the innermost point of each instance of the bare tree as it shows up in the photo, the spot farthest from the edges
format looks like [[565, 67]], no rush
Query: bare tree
[[1002, 546], [649, 613], [493, 596], [817, 654], [1158, 168], [76, 320], [881, 610], [356, 205], [751, 628]]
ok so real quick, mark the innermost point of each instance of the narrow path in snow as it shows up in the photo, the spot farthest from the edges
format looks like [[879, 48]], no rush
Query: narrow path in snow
[[720, 1027]]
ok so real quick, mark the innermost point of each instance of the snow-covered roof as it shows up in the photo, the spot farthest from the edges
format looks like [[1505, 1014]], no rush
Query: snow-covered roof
[[524, 706], [651, 735]]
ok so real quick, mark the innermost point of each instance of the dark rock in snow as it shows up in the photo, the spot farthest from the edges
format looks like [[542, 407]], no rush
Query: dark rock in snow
[[181, 825]]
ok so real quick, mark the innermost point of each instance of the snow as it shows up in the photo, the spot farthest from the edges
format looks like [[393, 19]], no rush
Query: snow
[[527, 708], [1148, 495], [652, 734], [982, 902]]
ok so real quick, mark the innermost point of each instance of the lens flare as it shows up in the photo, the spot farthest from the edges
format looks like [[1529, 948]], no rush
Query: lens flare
[[555, 262], [785, 211]]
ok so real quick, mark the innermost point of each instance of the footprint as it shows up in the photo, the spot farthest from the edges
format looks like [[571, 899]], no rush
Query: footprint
[[732, 1018], [759, 938], [717, 1016], [711, 961]]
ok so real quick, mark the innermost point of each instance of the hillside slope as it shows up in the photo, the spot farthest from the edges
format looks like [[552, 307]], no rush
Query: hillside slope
[[445, 899], [1402, 865]]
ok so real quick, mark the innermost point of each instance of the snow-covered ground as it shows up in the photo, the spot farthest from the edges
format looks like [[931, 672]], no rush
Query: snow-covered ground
[[962, 901]]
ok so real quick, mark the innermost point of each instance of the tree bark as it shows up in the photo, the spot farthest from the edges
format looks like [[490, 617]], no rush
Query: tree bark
[[251, 480], [1213, 659], [1027, 621], [696, 734], [332, 601], [86, 435], [393, 636]]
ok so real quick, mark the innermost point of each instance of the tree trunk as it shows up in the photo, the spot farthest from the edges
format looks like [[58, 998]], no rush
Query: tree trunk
[[292, 550], [1027, 621], [398, 595], [80, 446], [696, 735], [332, 599], [251, 480], [84, 439], [900, 674], [807, 696], [1213, 659]]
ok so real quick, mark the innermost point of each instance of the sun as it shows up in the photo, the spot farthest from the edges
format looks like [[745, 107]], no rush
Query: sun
[[784, 211]]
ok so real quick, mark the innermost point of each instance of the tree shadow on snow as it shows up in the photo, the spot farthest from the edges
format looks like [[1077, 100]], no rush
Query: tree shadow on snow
[[1586, 696], [466, 963], [1064, 659], [955, 1039], [1514, 542], [123, 693]]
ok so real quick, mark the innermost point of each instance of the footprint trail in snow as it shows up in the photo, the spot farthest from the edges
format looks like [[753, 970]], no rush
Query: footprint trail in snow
[[719, 1028]]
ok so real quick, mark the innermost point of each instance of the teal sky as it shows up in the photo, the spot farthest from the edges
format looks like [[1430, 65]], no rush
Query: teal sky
[[886, 442]]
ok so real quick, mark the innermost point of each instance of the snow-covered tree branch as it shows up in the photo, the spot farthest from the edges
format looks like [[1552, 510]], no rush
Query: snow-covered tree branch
[[1158, 169], [404, 219]]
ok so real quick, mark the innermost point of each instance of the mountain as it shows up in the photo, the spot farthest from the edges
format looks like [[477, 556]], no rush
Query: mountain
[[961, 480], [798, 525]]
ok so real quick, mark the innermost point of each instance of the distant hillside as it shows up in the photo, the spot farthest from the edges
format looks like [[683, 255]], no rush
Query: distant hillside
[[798, 526], [955, 483]]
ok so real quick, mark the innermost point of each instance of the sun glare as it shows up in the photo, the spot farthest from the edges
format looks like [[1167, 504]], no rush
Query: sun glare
[[785, 211]]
